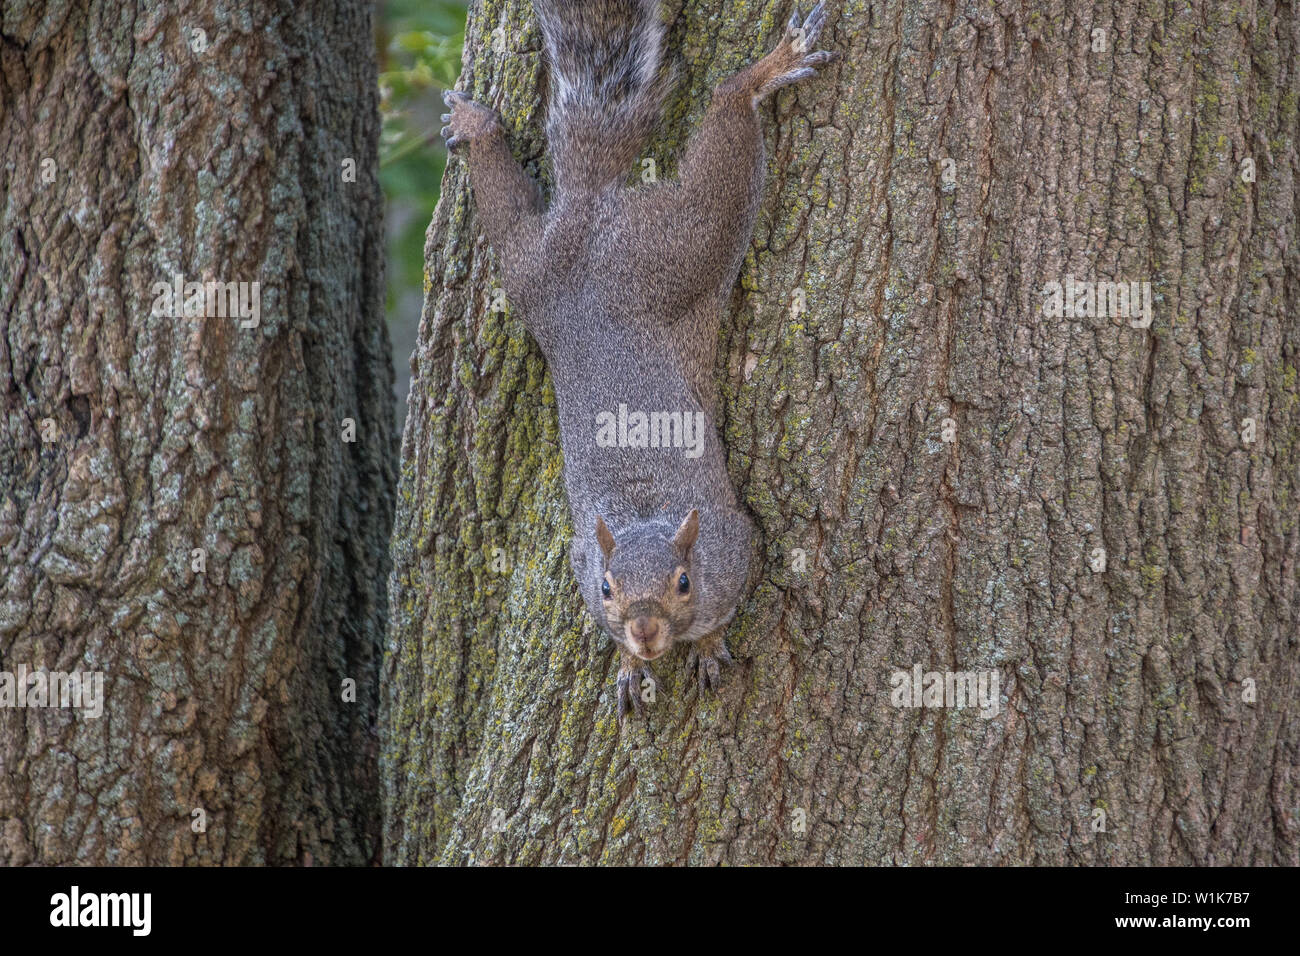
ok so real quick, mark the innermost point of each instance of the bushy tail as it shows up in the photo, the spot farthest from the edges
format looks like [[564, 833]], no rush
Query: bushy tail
[[607, 86]]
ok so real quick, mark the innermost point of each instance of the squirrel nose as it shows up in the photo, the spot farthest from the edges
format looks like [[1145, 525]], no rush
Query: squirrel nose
[[644, 629]]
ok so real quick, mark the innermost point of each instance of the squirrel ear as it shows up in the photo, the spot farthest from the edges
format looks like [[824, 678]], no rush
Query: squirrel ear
[[686, 534], [604, 537]]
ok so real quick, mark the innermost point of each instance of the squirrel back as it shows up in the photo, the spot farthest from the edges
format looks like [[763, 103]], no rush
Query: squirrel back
[[607, 87]]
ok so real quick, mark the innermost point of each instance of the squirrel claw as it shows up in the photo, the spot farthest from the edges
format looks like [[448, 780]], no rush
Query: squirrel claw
[[467, 120], [807, 35], [706, 662], [631, 678], [794, 58]]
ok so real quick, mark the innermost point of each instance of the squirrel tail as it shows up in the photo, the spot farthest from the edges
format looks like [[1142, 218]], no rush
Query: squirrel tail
[[607, 87]]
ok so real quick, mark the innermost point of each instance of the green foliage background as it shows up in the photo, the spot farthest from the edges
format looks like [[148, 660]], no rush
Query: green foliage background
[[420, 49]]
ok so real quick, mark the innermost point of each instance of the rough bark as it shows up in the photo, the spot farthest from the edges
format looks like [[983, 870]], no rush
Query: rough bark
[[223, 689], [1122, 689]]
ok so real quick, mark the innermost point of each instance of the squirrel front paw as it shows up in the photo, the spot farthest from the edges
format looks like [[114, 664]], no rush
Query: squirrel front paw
[[706, 658], [791, 62], [467, 120], [633, 691]]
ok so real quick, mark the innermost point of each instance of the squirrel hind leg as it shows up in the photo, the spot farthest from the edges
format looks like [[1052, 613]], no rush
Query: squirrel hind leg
[[792, 60]]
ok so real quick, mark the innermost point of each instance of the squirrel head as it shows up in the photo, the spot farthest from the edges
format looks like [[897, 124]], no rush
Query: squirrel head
[[646, 589]]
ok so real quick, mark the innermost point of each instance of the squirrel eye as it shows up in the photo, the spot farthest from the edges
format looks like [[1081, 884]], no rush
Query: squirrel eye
[[604, 588], [683, 584]]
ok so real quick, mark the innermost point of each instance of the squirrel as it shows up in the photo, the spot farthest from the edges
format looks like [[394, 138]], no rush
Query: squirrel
[[623, 287]]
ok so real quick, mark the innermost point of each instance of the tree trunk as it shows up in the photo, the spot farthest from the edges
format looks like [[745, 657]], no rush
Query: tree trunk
[[179, 510], [945, 471]]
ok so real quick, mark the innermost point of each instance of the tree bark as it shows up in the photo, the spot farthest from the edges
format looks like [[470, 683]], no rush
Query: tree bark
[[921, 198], [215, 156]]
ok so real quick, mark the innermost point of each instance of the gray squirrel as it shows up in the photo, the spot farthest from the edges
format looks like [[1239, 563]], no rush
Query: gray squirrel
[[623, 287]]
